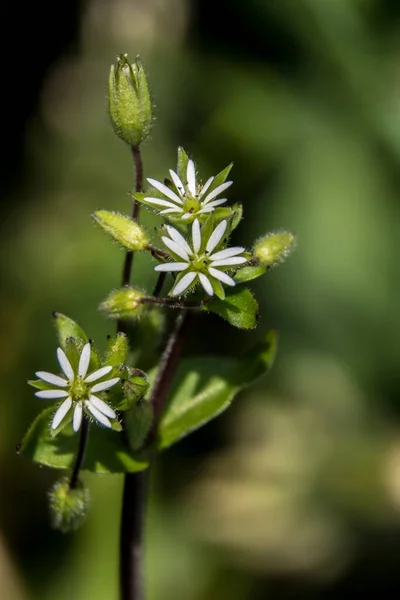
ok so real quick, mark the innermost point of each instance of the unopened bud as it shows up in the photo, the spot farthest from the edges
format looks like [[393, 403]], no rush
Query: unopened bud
[[122, 229], [129, 101], [68, 506], [124, 304], [273, 248]]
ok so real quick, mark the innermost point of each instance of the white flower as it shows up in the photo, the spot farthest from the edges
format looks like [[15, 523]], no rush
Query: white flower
[[199, 260], [190, 198], [78, 389]]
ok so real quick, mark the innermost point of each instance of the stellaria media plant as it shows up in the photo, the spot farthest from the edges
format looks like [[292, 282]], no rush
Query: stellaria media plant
[[103, 413]]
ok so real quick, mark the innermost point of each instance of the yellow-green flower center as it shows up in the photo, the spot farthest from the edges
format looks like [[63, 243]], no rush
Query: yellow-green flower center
[[78, 389]]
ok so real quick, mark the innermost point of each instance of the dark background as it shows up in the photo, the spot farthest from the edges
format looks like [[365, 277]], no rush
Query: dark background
[[295, 492]]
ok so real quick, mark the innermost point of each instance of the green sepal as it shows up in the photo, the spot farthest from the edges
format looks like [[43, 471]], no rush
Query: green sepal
[[137, 423], [205, 386], [237, 216], [134, 388], [249, 272], [67, 328], [218, 288], [239, 308], [220, 178], [106, 450], [117, 350], [181, 168]]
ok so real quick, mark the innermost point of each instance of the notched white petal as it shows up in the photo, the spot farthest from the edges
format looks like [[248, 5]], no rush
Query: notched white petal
[[177, 237], [196, 235], [61, 413], [191, 177], [216, 236], [170, 211], [159, 202], [227, 253], [228, 262], [205, 282], [206, 186], [170, 267], [211, 205], [97, 414], [65, 364], [102, 407], [177, 182], [104, 385], [84, 360], [176, 248], [161, 187], [51, 378], [98, 374], [183, 284], [222, 276], [51, 394], [77, 420], [218, 190]]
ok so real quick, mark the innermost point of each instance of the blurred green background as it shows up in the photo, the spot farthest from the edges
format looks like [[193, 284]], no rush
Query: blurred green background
[[295, 491]]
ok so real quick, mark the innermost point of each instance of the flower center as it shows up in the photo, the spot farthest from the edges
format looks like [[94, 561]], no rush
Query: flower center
[[190, 204], [200, 263], [78, 389]]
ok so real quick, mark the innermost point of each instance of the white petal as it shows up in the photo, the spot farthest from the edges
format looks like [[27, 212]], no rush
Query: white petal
[[61, 412], [216, 236], [169, 267], [176, 248], [65, 364], [77, 420], [50, 378], [98, 374], [171, 210], [84, 360], [51, 394], [218, 190], [228, 262], [177, 182], [196, 235], [187, 216], [164, 190], [206, 186], [97, 414], [227, 253], [222, 276], [206, 209], [205, 282], [178, 238], [191, 177], [215, 203], [159, 202], [102, 407], [104, 385], [183, 284]]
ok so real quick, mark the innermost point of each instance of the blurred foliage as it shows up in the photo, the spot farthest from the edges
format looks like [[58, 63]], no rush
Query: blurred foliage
[[295, 492]]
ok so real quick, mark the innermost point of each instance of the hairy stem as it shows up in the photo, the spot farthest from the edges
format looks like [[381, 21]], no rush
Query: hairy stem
[[73, 482], [138, 165]]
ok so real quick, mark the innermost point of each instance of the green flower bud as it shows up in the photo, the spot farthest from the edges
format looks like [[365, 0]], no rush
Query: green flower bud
[[273, 248], [117, 351], [68, 507], [122, 229], [129, 101], [124, 304]]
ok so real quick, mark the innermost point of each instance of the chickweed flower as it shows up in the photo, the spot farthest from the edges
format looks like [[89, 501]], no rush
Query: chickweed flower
[[198, 261], [189, 199], [78, 390]]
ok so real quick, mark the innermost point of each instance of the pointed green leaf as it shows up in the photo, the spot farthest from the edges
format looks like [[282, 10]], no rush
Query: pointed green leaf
[[205, 386], [249, 272], [183, 160], [239, 308], [67, 328], [106, 450], [220, 178]]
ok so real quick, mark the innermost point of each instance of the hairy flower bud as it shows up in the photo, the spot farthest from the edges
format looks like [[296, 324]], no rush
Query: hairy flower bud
[[273, 248], [123, 304], [129, 101], [68, 506], [122, 229]]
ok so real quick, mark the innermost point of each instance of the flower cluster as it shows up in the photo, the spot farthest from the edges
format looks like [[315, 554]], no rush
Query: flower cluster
[[78, 390], [199, 260]]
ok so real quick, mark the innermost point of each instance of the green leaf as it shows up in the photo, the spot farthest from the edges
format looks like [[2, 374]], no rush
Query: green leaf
[[239, 308], [67, 328], [137, 422], [205, 386], [106, 451], [220, 178], [183, 160], [248, 273]]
